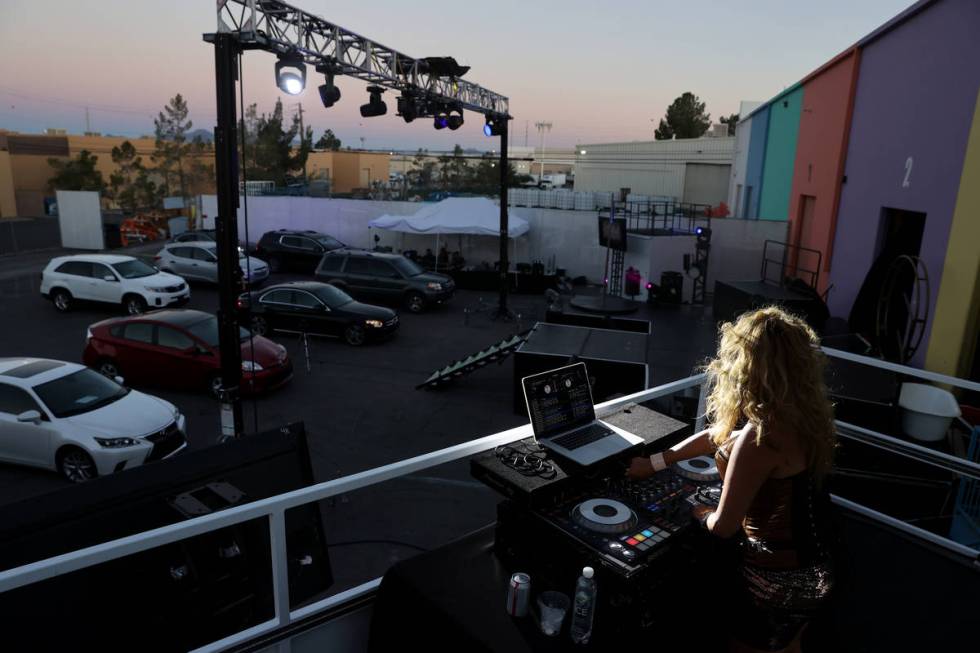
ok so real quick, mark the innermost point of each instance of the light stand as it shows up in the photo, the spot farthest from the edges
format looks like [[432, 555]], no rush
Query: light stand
[[226, 53], [503, 312]]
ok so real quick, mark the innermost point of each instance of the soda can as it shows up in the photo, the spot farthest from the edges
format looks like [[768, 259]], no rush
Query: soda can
[[519, 595]]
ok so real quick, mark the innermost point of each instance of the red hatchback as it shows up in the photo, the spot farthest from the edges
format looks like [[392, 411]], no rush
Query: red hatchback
[[179, 349]]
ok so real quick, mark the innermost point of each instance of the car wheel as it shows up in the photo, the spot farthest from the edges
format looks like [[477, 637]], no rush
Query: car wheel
[[354, 335], [214, 386], [134, 305], [108, 368], [275, 265], [76, 465], [62, 300], [415, 302], [259, 326]]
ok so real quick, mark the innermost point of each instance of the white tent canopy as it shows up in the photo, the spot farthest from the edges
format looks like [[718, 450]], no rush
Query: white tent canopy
[[455, 215]]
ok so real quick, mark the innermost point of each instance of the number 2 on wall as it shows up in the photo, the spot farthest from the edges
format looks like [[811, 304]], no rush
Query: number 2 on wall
[[908, 173]]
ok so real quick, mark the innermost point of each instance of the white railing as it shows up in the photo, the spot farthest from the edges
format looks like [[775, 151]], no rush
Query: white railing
[[274, 508]]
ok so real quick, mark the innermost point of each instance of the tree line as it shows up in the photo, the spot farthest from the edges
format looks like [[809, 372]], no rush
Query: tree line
[[182, 166]]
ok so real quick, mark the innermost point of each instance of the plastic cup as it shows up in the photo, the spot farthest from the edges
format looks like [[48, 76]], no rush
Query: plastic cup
[[552, 607]]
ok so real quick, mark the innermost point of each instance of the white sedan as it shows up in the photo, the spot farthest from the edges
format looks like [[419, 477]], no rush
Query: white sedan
[[71, 419]]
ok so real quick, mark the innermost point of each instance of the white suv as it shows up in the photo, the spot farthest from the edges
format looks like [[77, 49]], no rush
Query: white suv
[[113, 279], [69, 418]]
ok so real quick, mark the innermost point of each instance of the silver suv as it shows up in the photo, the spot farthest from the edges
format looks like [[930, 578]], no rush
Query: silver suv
[[198, 261]]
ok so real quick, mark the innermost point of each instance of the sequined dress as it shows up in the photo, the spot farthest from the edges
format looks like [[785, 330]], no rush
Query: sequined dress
[[786, 575]]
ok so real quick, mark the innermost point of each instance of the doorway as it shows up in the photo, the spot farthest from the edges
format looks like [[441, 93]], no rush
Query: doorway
[[899, 234]]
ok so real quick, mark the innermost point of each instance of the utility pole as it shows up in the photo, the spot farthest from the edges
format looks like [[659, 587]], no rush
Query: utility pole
[[525, 133], [88, 126], [302, 134], [543, 128]]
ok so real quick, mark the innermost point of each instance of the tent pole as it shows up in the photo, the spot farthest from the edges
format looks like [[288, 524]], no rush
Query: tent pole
[[437, 251]]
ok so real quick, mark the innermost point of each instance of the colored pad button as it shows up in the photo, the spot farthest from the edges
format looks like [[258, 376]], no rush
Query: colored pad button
[[647, 533], [639, 537], [632, 542]]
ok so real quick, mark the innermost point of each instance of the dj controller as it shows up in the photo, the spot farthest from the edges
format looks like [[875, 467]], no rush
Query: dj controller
[[613, 521], [629, 523]]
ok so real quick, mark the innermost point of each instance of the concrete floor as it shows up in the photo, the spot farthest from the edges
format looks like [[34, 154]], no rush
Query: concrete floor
[[360, 408]]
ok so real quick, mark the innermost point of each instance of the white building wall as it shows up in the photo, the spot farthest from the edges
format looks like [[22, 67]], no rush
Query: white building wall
[[567, 239], [648, 167], [736, 189]]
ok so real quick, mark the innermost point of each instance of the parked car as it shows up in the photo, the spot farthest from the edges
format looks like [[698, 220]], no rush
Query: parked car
[[385, 277], [112, 279], [179, 349], [195, 236], [198, 261], [299, 251], [68, 418], [315, 308]]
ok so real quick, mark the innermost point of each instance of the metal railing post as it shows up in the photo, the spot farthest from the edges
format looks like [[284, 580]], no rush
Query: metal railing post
[[702, 404], [280, 565]]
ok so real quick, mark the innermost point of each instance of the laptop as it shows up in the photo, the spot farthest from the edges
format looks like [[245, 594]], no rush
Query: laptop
[[559, 403]]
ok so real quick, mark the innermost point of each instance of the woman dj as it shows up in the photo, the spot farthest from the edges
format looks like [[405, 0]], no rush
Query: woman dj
[[772, 436]]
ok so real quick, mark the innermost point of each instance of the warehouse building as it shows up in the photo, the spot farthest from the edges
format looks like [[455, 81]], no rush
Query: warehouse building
[[874, 156]]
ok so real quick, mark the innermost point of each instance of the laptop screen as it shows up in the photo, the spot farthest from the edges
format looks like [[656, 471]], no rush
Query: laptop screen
[[559, 400]]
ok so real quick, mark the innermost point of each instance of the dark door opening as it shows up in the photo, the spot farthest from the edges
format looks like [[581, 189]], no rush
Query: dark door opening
[[900, 234]]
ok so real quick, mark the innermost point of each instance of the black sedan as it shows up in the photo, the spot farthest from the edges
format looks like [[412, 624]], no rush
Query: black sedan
[[317, 309]]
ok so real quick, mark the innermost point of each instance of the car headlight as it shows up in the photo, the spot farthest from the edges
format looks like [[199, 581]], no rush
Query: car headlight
[[157, 288], [377, 324], [251, 366], [432, 285], [116, 443]]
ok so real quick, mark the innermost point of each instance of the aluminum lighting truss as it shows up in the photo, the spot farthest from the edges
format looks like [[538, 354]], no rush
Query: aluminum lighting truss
[[281, 28]]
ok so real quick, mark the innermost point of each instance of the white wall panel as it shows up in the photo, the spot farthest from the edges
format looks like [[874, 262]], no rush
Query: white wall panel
[[80, 219]]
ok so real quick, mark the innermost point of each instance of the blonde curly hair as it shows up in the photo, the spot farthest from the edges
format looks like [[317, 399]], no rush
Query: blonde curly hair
[[769, 371]]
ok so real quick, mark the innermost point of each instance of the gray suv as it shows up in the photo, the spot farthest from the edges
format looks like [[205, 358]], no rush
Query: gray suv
[[390, 278]]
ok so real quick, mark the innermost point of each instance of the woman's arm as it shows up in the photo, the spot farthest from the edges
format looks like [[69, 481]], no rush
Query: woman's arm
[[748, 468], [698, 444]]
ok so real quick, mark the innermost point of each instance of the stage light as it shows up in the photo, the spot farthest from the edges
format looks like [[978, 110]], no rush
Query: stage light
[[375, 106], [703, 234], [329, 93], [291, 74], [494, 125], [441, 117], [454, 119], [407, 107]]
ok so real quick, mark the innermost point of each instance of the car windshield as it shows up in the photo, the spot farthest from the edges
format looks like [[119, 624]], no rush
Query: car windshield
[[333, 296], [77, 393], [134, 269], [329, 243], [207, 330], [407, 267]]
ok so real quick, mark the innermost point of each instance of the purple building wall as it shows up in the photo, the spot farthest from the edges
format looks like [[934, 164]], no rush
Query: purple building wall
[[916, 92]]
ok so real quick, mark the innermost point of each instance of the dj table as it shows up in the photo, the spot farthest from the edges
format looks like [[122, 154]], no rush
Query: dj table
[[647, 580]]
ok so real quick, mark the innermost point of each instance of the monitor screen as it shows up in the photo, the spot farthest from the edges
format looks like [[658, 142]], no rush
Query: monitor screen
[[612, 233], [559, 400]]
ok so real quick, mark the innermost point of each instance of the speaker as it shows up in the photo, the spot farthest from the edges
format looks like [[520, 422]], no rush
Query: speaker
[[671, 287], [177, 596]]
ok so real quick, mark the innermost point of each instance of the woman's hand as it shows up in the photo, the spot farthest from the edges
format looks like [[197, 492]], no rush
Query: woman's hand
[[640, 468], [701, 512]]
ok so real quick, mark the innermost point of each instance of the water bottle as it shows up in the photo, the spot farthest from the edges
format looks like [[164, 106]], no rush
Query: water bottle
[[583, 607]]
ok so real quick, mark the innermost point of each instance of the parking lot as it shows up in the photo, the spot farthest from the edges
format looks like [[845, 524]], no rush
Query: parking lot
[[359, 404]]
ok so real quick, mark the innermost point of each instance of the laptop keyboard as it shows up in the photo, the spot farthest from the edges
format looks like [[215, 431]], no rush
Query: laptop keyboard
[[582, 437]]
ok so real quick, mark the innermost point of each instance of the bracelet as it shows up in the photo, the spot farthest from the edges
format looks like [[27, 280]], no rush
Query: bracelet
[[658, 462]]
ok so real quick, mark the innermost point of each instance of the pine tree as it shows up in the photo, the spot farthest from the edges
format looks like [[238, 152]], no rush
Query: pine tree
[[685, 119]]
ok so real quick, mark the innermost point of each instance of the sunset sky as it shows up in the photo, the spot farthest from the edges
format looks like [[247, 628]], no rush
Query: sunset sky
[[599, 71]]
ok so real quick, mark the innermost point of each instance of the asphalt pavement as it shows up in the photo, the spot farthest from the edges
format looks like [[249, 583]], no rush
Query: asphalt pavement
[[359, 404]]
